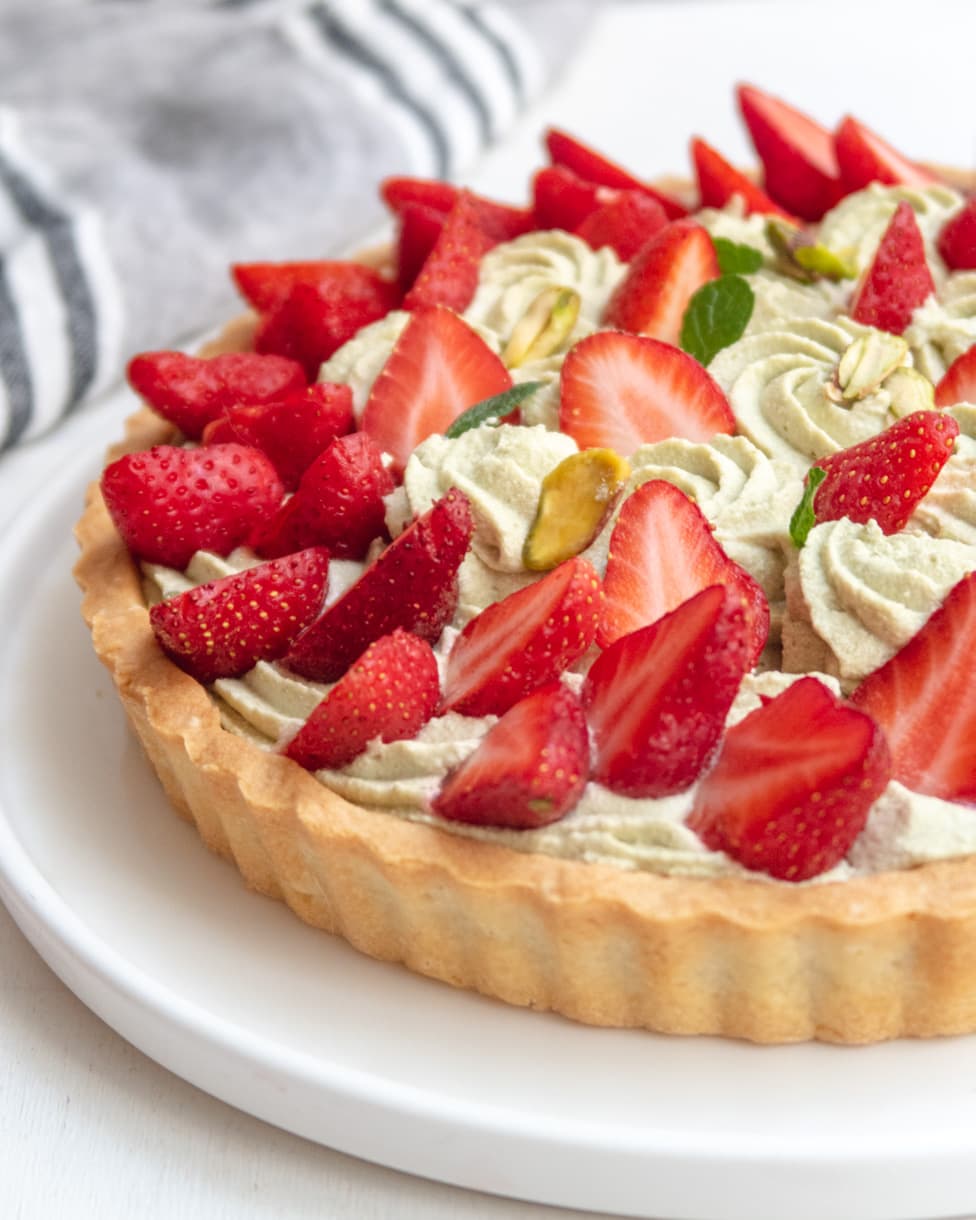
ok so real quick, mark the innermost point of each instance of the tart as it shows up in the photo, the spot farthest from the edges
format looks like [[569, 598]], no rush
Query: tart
[[755, 919]]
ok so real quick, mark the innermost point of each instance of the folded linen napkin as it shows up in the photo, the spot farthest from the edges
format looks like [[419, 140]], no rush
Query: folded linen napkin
[[143, 147]]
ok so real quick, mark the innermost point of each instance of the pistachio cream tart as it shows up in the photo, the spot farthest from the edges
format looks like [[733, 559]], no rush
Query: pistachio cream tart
[[576, 601]]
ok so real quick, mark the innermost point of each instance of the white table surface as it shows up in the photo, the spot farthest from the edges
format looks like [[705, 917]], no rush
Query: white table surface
[[89, 1127]]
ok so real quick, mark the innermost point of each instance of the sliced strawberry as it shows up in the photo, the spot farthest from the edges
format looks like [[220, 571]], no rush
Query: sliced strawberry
[[884, 477], [338, 504], [959, 381], [191, 391], [619, 391], [924, 698], [529, 770], [652, 297], [167, 502], [347, 286], [412, 584], [957, 240], [292, 431], [418, 229], [662, 551], [898, 279], [626, 223], [793, 783], [389, 693], [523, 641], [501, 221], [800, 169], [563, 200], [438, 368], [449, 275], [865, 158], [223, 628], [566, 150], [719, 182], [657, 699]]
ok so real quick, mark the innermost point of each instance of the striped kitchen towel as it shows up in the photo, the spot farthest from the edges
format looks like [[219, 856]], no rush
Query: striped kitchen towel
[[145, 145]]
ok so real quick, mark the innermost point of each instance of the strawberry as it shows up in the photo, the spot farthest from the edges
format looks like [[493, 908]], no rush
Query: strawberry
[[958, 384], [529, 770], [800, 170], [418, 229], [449, 275], [626, 223], [619, 391], [957, 240], [438, 368], [924, 699], [864, 158], [566, 150], [652, 297], [563, 200], [389, 693], [338, 504], [719, 183], [656, 700], [793, 783], [167, 502], [223, 628], [349, 288], [191, 391], [412, 584], [523, 641], [885, 476], [291, 431], [501, 221], [898, 279], [662, 551]]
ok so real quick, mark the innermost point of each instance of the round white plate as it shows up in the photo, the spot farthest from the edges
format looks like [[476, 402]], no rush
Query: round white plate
[[230, 991]]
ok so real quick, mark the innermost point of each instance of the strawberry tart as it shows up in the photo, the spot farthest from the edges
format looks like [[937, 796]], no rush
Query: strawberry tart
[[576, 601]]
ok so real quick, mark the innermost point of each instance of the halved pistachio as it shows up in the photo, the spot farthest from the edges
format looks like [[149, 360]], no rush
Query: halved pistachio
[[576, 498], [868, 362], [801, 258], [544, 327], [910, 391]]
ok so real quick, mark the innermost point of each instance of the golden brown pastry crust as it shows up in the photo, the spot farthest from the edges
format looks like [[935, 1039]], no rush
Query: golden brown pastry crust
[[858, 961]]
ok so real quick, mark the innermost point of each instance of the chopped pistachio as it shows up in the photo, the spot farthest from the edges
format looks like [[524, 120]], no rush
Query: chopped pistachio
[[544, 327], [868, 362], [910, 391], [576, 498]]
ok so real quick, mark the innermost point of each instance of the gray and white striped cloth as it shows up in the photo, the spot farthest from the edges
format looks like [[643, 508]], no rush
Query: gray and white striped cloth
[[145, 145]]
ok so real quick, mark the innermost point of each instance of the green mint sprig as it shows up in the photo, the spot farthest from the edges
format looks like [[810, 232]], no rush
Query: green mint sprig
[[492, 410], [717, 315], [804, 518]]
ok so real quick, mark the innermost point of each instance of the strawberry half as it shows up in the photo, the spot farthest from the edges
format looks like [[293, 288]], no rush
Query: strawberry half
[[656, 700], [529, 770], [959, 381], [800, 170], [167, 502], [349, 288], [418, 229], [438, 368], [898, 279], [389, 693], [924, 698], [663, 551], [191, 391], [449, 275], [566, 150], [223, 628], [652, 297], [793, 783], [626, 223], [864, 158], [957, 240], [501, 221], [563, 200], [885, 476], [523, 641], [412, 584], [619, 391], [719, 183]]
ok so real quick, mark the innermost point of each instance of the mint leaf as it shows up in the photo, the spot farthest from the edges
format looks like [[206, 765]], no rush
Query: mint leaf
[[717, 315], [735, 258], [804, 518], [492, 410]]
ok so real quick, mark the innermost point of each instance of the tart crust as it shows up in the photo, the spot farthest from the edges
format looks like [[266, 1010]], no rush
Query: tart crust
[[859, 961]]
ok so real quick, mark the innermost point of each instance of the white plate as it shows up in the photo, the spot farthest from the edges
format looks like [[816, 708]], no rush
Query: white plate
[[231, 992]]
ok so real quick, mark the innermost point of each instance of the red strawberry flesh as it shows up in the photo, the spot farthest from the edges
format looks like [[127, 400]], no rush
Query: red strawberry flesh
[[957, 239], [566, 150], [865, 158], [959, 381], [719, 182], [626, 224], [898, 279]]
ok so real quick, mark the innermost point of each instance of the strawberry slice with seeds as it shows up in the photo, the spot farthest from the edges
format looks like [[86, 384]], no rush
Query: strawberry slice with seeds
[[338, 504], [191, 391], [864, 158], [350, 288], [563, 200], [719, 182], [885, 476], [566, 150], [652, 297], [418, 229], [898, 279], [619, 391], [793, 784], [924, 699], [957, 239], [626, 223], [958, 384], [663, 551], [523, 641], [411, 585], [800, 170], [438, 368], [167, 502], [449, 275], [389, 693], [656, 700], [529, 770], [223, 628]]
